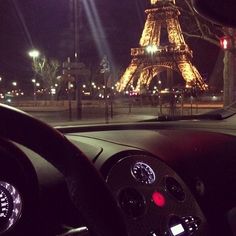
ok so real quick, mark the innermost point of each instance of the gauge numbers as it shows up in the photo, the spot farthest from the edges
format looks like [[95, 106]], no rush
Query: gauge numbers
[[4, 204], [143, 173], [10, 206]]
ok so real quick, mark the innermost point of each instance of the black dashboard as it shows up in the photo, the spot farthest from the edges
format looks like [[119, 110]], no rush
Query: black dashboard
[[166, 180], [197, 165]]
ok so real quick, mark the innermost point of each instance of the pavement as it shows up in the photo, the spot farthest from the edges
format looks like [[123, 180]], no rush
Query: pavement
[[97, 115]]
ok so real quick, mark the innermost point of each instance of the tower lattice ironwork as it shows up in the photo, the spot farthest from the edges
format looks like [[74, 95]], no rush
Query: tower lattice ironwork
[[153, 56]]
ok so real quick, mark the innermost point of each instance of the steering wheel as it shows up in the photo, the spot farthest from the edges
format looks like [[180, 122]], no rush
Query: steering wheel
[[87, 188]]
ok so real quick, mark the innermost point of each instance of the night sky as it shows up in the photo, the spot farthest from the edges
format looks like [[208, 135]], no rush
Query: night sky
[[44, 24]]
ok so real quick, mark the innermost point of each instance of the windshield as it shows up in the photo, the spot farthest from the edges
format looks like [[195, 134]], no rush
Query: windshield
[[86, 61]]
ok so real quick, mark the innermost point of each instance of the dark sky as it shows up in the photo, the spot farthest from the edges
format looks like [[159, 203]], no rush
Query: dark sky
[[44, 23]]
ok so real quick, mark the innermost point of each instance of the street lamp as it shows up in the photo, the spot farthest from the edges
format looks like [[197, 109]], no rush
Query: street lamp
[[34, 54], [14, 83], [53, 92], [34, 84]]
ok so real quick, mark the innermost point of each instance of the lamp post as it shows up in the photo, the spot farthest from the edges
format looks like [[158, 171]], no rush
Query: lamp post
[[105, 70], [34, 54], [14, 84], [34, 84], [228, 44], [76, 58]]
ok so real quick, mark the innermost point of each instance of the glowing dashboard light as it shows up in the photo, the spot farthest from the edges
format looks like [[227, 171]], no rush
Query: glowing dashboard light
[[177, 229], [158, 199]]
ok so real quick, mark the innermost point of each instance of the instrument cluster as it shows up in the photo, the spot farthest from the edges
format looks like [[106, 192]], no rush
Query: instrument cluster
[[153, 198], [10, 206]]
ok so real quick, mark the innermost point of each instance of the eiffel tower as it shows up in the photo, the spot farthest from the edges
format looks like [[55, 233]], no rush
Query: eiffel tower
[[152, 57]]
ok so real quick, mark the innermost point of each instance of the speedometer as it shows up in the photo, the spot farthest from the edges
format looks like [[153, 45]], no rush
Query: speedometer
[[10, 206], [4, 209], [143, 173]]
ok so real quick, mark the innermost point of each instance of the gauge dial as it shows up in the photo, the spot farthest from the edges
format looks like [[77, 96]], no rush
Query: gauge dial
[[10, 206], [4, 204], [143, 173]]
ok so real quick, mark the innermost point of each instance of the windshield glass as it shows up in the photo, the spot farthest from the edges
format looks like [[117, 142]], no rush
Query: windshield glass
[[86, 61]]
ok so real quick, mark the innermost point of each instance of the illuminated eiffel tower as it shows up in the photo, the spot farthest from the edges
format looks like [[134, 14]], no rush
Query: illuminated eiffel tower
[[152, 57]]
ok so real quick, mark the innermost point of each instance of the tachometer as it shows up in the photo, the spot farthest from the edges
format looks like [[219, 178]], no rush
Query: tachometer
[[143, 173], [10, 206]]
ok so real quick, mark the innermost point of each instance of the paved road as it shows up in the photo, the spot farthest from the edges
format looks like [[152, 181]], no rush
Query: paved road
[[97, 115]]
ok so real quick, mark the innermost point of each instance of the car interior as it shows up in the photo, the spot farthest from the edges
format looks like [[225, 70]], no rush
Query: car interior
[[151, 178]]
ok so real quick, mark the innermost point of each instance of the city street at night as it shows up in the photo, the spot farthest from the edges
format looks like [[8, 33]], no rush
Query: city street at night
[[120, 112], [118, 118]]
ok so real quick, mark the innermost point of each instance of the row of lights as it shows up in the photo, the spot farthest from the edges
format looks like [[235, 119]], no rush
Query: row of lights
[[94, 86]]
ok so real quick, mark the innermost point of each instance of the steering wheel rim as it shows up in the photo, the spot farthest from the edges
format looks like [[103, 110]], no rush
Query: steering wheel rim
[[90, 195]]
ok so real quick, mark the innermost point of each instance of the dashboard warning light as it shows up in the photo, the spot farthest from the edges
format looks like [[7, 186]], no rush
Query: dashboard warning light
[[158, 199]]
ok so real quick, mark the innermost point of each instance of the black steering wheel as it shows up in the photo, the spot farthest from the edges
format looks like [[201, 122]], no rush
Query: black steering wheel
[[87, 188]]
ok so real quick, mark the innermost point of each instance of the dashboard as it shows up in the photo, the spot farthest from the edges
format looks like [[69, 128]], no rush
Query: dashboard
[[161, 178], [153, 198], [166, 181]]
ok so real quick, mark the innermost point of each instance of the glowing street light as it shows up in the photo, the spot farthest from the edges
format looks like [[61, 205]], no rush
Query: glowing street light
[[71, 86], [14, 83], [53, 91], [34, 53]]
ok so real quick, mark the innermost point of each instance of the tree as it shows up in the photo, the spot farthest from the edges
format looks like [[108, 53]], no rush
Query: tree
[[47, 71], [197, 27]]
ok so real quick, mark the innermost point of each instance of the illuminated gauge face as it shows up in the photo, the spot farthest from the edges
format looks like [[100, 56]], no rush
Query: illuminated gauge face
[[4, 201], [143, 173], [10, 206]]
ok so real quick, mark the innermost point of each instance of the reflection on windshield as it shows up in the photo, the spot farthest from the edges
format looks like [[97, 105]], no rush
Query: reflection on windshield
[[112, 61]]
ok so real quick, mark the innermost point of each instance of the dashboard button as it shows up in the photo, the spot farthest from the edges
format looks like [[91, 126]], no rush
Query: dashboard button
[[153, 233], [175, 189], [132, 202], [183, 226]]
